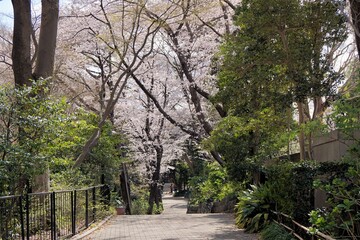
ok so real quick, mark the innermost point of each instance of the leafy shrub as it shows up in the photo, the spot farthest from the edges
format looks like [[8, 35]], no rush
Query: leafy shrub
[[158, 210], [139, 206], [275, 231], [342, 218], [293, 184], [214, 185], [254, 208]]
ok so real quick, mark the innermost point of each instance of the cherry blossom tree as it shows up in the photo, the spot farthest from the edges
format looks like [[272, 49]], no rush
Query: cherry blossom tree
[[192, 32], [6, 74], [118, 39], [154, 140]]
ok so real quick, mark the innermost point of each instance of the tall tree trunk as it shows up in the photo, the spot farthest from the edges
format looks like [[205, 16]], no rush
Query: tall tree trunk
[[155, 196], [44, 60], [47, 41], [355, 15], [44, 66], [21, 56], [301, 133]]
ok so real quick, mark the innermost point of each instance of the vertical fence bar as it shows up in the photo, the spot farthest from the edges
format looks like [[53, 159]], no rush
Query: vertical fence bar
[[53, 216], [22, 217], [55, 235], [27, 209], [72, 212], [75, 203], [94, 202], [87, 208]]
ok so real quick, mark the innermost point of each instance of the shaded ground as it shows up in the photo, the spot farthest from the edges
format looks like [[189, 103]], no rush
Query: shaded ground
[[173, 224]]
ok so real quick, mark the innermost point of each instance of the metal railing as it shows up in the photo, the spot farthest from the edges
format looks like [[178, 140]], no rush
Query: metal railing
[[52, 215]]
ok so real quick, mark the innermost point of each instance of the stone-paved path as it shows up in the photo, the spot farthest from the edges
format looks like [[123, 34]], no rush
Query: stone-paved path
[[172, 224]]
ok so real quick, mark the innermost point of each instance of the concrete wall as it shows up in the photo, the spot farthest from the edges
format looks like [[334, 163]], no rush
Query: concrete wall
[[330, 147]]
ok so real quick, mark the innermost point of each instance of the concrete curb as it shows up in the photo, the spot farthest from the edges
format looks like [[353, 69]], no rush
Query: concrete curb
[[88, 231]]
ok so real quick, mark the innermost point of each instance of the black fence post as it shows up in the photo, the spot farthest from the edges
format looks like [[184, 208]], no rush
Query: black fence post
[[94, 202], [74, 214], [27, 211], [87, 208], [21, 208], [53, 216]]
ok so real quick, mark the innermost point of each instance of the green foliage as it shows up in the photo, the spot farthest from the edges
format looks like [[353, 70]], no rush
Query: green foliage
[[279, 57], [342, 218], [275, 231], [198, 159], [288, 189], [105, 158], [139, 206], [246, 143], [38, 132], [28, 125], [182, 175], [214, 185], [254, 208], [293, 183], [158, 209], [269, 64]]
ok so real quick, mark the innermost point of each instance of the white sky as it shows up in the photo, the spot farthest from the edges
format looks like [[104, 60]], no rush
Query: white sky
[[6, 10]]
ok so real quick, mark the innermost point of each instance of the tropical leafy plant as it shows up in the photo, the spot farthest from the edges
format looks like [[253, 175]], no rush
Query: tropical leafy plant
[[254, 208]]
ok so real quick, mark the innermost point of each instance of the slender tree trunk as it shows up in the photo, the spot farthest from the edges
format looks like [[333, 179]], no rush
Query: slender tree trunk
[[301, 133], [21, 56]]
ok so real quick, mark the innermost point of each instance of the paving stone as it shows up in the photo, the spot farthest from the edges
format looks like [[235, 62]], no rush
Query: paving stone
[[172, 224]]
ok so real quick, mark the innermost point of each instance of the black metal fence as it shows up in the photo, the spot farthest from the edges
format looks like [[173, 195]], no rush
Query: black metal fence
[[52, 215]]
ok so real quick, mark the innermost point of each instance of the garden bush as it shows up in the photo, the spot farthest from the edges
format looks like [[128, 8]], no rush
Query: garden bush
[[341, 218], [275, 232], [254, 208]]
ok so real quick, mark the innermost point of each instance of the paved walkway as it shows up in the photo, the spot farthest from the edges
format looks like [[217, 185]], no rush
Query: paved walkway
[[173, 224]]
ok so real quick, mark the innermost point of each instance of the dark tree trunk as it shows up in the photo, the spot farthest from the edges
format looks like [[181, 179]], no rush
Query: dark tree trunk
[[47, 40], [21, 56], [44, 66], [355, 15], [21, 53], [155, 193], [301, 133], [124, 189]]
